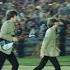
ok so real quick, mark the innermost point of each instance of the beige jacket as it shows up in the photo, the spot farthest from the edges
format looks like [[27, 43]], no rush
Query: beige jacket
[[7, 30], [49, 46]]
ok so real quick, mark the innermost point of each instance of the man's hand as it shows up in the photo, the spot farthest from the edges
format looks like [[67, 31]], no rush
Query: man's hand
[[15, 39]]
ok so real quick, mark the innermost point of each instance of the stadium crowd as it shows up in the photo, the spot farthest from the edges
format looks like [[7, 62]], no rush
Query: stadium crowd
[[32, 20]]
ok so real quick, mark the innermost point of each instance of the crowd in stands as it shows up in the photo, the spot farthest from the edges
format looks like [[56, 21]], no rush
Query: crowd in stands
[[33, 15]]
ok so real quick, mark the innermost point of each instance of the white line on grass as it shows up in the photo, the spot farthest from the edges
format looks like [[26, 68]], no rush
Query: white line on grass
[[21, 67]]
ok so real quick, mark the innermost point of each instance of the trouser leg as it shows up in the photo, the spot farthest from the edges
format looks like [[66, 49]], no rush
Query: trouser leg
[[55, 63], [42, 63], [13, 61], [2, 59]]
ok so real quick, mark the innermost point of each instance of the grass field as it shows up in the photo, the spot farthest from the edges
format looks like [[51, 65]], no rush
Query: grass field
[[29, 63]]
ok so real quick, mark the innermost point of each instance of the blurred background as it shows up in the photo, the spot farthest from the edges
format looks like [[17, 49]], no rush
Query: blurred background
[[32, 25]]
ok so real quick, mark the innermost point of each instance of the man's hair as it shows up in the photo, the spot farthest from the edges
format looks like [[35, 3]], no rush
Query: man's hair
[[54, 20], [11, 14], [51, 22]]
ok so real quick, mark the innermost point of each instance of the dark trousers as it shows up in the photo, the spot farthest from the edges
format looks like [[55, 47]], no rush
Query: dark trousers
[[11, 58], [44, 60]]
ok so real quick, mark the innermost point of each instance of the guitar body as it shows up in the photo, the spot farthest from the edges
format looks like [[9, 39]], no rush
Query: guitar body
[[6, 46]]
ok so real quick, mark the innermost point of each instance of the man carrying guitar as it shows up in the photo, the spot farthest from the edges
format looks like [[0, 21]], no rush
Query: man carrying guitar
[[8, 33]]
